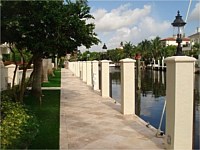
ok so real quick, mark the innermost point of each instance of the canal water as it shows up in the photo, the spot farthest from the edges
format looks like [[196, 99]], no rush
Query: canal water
[[150, 99]]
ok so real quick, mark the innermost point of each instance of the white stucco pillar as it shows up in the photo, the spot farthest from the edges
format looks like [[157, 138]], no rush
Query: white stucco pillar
[[71, 68], [105, 77], [69, 65], [95, 73], [163, 77], [89, 73], [74, 68], [128, 86], [158, 64], [3, 75], [163, 63], [50, 70], [179, 97], [84, 72], [45, 70], [56, 62], [81, 70], [154, 62], [11, 69], [78, 69]]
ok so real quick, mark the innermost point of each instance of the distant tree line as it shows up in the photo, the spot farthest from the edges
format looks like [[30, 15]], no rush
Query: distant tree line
[[148, 49]]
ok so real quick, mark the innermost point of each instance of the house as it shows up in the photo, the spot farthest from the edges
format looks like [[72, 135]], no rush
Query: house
[[172, 41], [195, 38]]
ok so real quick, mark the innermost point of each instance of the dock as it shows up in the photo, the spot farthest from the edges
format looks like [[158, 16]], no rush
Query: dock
[[88, 121]]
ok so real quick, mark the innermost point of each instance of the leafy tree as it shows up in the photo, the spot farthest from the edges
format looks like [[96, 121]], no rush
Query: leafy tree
[[44, 28], [87, 55], [169, 50], [84, 56], [115, 54], [195, 50]]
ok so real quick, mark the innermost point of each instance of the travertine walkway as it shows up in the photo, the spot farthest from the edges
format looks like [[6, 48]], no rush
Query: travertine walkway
[[89, 121]]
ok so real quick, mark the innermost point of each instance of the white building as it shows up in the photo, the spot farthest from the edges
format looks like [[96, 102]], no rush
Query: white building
[[172, 41], [195, 38]]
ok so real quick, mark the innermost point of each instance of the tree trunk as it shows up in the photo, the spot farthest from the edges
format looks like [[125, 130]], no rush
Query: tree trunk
[[36, 85], [30, 81], [15, 71], [14, 76], [23, 84]]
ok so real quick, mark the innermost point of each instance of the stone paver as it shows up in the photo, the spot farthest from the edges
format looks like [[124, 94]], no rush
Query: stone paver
[[88, 121]]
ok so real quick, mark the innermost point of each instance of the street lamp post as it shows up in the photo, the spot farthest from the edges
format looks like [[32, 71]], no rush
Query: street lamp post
[[104, 48], [56, 61], [88, 56], [178, 22]]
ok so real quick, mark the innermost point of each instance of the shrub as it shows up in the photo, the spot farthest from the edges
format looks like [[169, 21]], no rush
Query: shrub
[[18, 126], [11, 94], [7, 95]]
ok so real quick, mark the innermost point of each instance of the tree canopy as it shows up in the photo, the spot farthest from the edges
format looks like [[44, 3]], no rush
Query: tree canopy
[[46, 28]]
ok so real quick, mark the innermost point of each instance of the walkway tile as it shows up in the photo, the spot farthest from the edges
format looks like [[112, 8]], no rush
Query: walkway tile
[[88, 121]]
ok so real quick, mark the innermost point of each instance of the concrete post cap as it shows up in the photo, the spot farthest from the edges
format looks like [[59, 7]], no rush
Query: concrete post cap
[[179, 59], [10, 66], [106, 61], [127, 60], [95, 61]]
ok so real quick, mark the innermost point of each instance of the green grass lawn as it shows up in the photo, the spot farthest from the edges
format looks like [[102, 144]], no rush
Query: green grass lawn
[[53, 81], [48, 114]]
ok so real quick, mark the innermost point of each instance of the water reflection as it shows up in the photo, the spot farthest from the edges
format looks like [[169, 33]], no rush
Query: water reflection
[[151, 83], [150, 99]]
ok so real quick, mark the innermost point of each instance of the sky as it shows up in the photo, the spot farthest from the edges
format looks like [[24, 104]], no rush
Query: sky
[[136, 20]]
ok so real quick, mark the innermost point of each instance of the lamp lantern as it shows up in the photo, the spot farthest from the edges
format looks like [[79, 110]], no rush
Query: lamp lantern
[[179, 23], [104, 46]]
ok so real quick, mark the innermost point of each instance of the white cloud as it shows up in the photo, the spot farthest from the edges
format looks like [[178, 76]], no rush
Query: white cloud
[[122, 16], [195, 14], [148, 24], [126, 24], [147, 28]]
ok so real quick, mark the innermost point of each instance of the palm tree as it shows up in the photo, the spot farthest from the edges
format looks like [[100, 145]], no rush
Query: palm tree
[[128, 49], [144, 48], [156, 48]]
